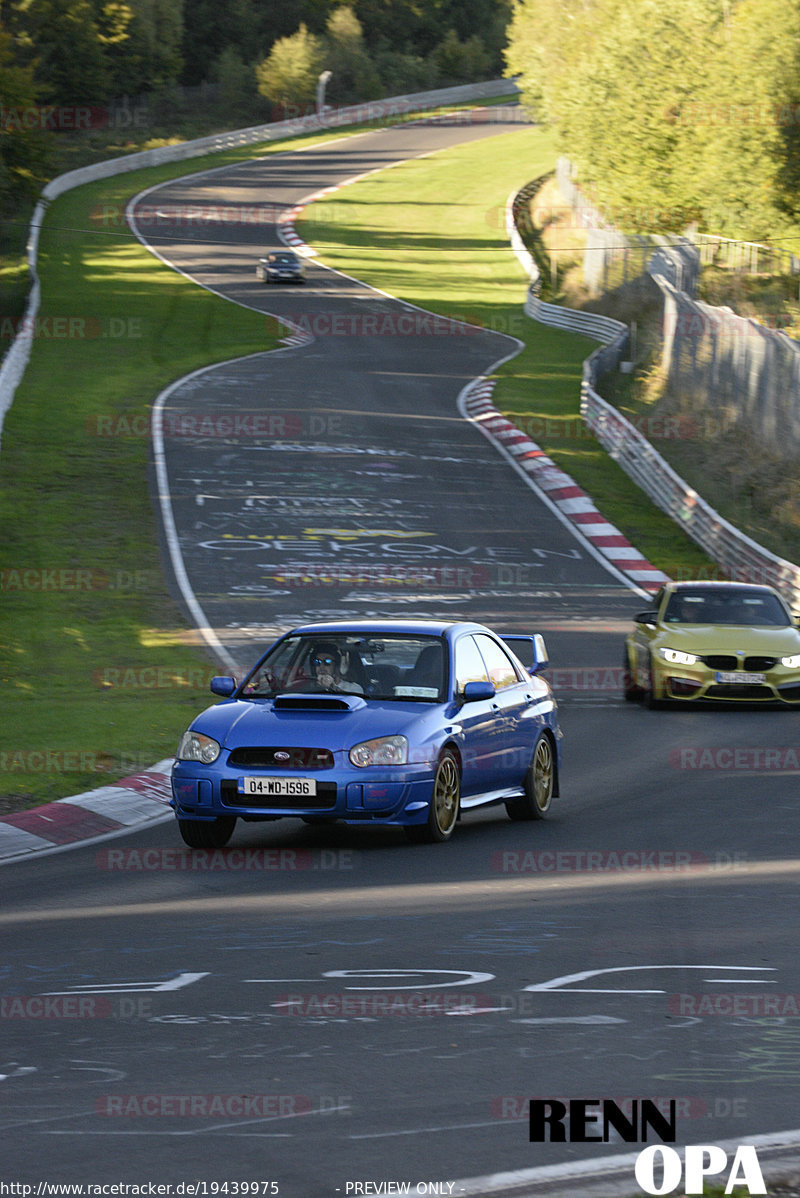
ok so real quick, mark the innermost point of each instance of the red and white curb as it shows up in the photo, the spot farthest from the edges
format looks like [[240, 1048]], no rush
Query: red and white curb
[[563, 492], [299, 337], [95, 815]]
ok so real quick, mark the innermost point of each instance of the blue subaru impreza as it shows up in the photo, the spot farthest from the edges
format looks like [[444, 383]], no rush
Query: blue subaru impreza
[[399, 723]]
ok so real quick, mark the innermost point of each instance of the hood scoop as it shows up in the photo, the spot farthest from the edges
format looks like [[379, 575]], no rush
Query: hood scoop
[[318, 703]]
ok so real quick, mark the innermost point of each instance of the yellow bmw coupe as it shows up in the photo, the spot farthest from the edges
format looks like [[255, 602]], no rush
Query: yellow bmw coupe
[[724, 641]]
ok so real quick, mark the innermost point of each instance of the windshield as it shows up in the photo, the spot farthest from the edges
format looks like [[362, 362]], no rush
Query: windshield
[[377, 667], [732, 606]]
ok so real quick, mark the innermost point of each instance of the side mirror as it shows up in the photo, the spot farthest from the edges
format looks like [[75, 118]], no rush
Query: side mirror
[[222, 686], [478, 690], [647, 617]]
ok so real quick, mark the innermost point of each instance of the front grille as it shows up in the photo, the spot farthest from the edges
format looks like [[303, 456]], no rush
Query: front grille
[[262, 757], [757, 665], [323, 800], [729, 661], [724, 691], [721, 661]]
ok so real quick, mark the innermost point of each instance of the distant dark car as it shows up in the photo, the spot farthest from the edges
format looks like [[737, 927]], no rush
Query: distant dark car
[[401, 723], [281, 266]]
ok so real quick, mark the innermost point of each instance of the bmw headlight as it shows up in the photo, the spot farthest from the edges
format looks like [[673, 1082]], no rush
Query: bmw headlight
[[677, 657], [792, 662], [384, 750], [196, 747]]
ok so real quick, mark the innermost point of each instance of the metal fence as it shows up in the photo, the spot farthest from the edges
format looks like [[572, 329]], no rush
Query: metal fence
[[745, 256], [743, 375], [611, 259], [736, 554]]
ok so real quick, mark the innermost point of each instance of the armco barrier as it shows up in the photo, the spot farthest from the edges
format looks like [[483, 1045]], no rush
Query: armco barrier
[[16, 360], [737, 554]]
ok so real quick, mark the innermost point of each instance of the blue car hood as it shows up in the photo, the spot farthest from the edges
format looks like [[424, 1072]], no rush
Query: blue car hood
[[250, 722]]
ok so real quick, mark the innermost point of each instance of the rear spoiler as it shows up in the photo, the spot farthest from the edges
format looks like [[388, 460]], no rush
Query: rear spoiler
[[531, 651]]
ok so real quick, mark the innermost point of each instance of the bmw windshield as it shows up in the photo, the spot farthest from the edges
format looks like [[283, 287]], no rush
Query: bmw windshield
[[748, 608]]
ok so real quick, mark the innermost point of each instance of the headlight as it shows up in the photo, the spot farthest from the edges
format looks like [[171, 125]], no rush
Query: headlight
[[196, 747], [677, 657], [792, 662], [384, 750]]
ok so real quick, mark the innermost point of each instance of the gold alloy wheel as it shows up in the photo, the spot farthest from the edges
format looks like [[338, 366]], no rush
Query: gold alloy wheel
[[540, 784], [446, 795], [543, 774]]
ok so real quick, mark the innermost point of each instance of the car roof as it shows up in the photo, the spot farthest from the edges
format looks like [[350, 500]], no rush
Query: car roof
[[719, 584], [385, 627]]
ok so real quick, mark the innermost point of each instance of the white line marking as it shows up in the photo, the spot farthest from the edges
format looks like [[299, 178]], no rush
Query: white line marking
[[176, 983], [555, 985]]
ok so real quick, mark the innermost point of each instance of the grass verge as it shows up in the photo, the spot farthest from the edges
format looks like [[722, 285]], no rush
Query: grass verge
[[447, 251]]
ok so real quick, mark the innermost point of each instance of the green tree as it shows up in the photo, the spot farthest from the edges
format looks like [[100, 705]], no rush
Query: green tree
[[460, 62], [213, 27], [69, 65], [402, 74], [747, 166], [24, 151], [162, 22], [236, 82], [547, 41], [290, 72], [416, 28], [622, 104], [354, 78], [672, 113]]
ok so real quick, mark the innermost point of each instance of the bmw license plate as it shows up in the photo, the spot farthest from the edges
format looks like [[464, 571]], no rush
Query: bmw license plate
[[740, 677], [276, 788]]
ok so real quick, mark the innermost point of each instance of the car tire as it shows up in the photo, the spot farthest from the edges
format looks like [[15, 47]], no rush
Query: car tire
[[444, 806], [631, 691], [203, 834], [650, 700], [540, 784]]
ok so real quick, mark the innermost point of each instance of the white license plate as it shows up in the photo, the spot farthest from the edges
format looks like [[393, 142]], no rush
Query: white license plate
[[740, 678], [271, 788]]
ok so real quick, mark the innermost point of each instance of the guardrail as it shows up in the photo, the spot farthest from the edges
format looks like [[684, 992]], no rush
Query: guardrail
[[602, 328], [738, 555], [16, 360]]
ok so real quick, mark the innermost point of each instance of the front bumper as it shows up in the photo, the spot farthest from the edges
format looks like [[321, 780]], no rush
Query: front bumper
[[369, 795], [700, 682]]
